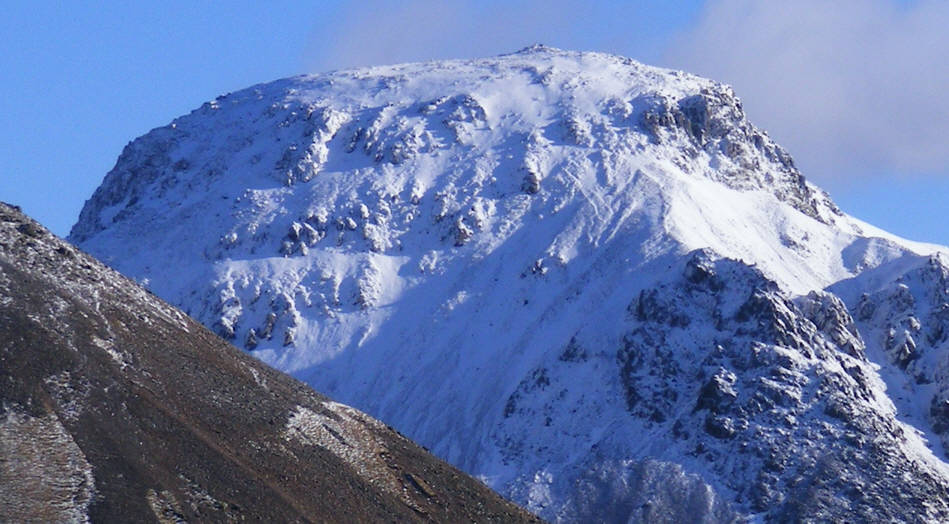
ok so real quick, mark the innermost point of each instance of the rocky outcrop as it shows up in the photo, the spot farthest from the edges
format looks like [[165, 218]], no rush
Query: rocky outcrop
[[903, 311], [713, 123], [773, 395]]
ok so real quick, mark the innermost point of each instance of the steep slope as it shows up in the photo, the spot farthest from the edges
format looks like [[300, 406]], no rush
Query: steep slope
[[503, 258], [117, 407], [902, 308]]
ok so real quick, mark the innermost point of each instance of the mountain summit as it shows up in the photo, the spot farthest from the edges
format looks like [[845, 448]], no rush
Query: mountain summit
[[592, 283]]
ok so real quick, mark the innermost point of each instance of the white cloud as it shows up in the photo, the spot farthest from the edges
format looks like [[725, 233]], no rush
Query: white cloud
[[374, 32], [850, 87]]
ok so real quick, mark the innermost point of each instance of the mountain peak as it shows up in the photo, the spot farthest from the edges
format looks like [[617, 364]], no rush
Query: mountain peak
[[546, 51], [537, 48], [578, 110]]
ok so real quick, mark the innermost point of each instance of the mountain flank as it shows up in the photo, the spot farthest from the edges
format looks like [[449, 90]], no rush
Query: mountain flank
[[115, 406]]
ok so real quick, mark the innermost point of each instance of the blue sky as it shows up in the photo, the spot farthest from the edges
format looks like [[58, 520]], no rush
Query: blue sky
[[853, 88]]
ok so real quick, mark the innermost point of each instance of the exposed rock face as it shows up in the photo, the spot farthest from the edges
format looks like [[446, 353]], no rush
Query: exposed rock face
[[590, 282], [714, 123], [721, 352], [902, 308], [118, 407]]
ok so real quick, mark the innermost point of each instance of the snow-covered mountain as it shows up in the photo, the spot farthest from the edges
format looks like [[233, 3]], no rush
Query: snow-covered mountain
[[590, 282]]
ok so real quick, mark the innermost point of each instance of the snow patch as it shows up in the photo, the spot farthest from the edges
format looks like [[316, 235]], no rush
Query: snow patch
[[42, 464]]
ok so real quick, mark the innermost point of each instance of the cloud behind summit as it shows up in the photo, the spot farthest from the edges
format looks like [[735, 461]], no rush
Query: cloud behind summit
[[850, 87]]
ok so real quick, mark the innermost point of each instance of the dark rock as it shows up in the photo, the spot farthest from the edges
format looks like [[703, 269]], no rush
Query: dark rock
[[719, 427], [31, 229], [718, 393], [531, 183], [939, 414]]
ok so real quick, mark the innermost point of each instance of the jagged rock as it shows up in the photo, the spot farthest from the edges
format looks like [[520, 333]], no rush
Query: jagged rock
[[718, 393], [901, 310], [267, 330], [759, 351], [531, 184], [31, 230], [719, 427], [251, 342], [829, 314]]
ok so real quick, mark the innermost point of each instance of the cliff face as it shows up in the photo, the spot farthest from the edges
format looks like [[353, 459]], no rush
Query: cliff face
[[118, 407]]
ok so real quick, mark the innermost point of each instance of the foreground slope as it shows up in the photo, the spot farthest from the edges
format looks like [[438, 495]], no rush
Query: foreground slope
[[118, 407], [585, 280]]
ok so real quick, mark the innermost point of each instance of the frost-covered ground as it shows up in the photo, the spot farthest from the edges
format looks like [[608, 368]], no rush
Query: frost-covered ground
[[582, 279]]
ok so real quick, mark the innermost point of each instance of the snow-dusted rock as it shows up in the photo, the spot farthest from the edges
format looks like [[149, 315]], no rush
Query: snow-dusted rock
[[902, 310]]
